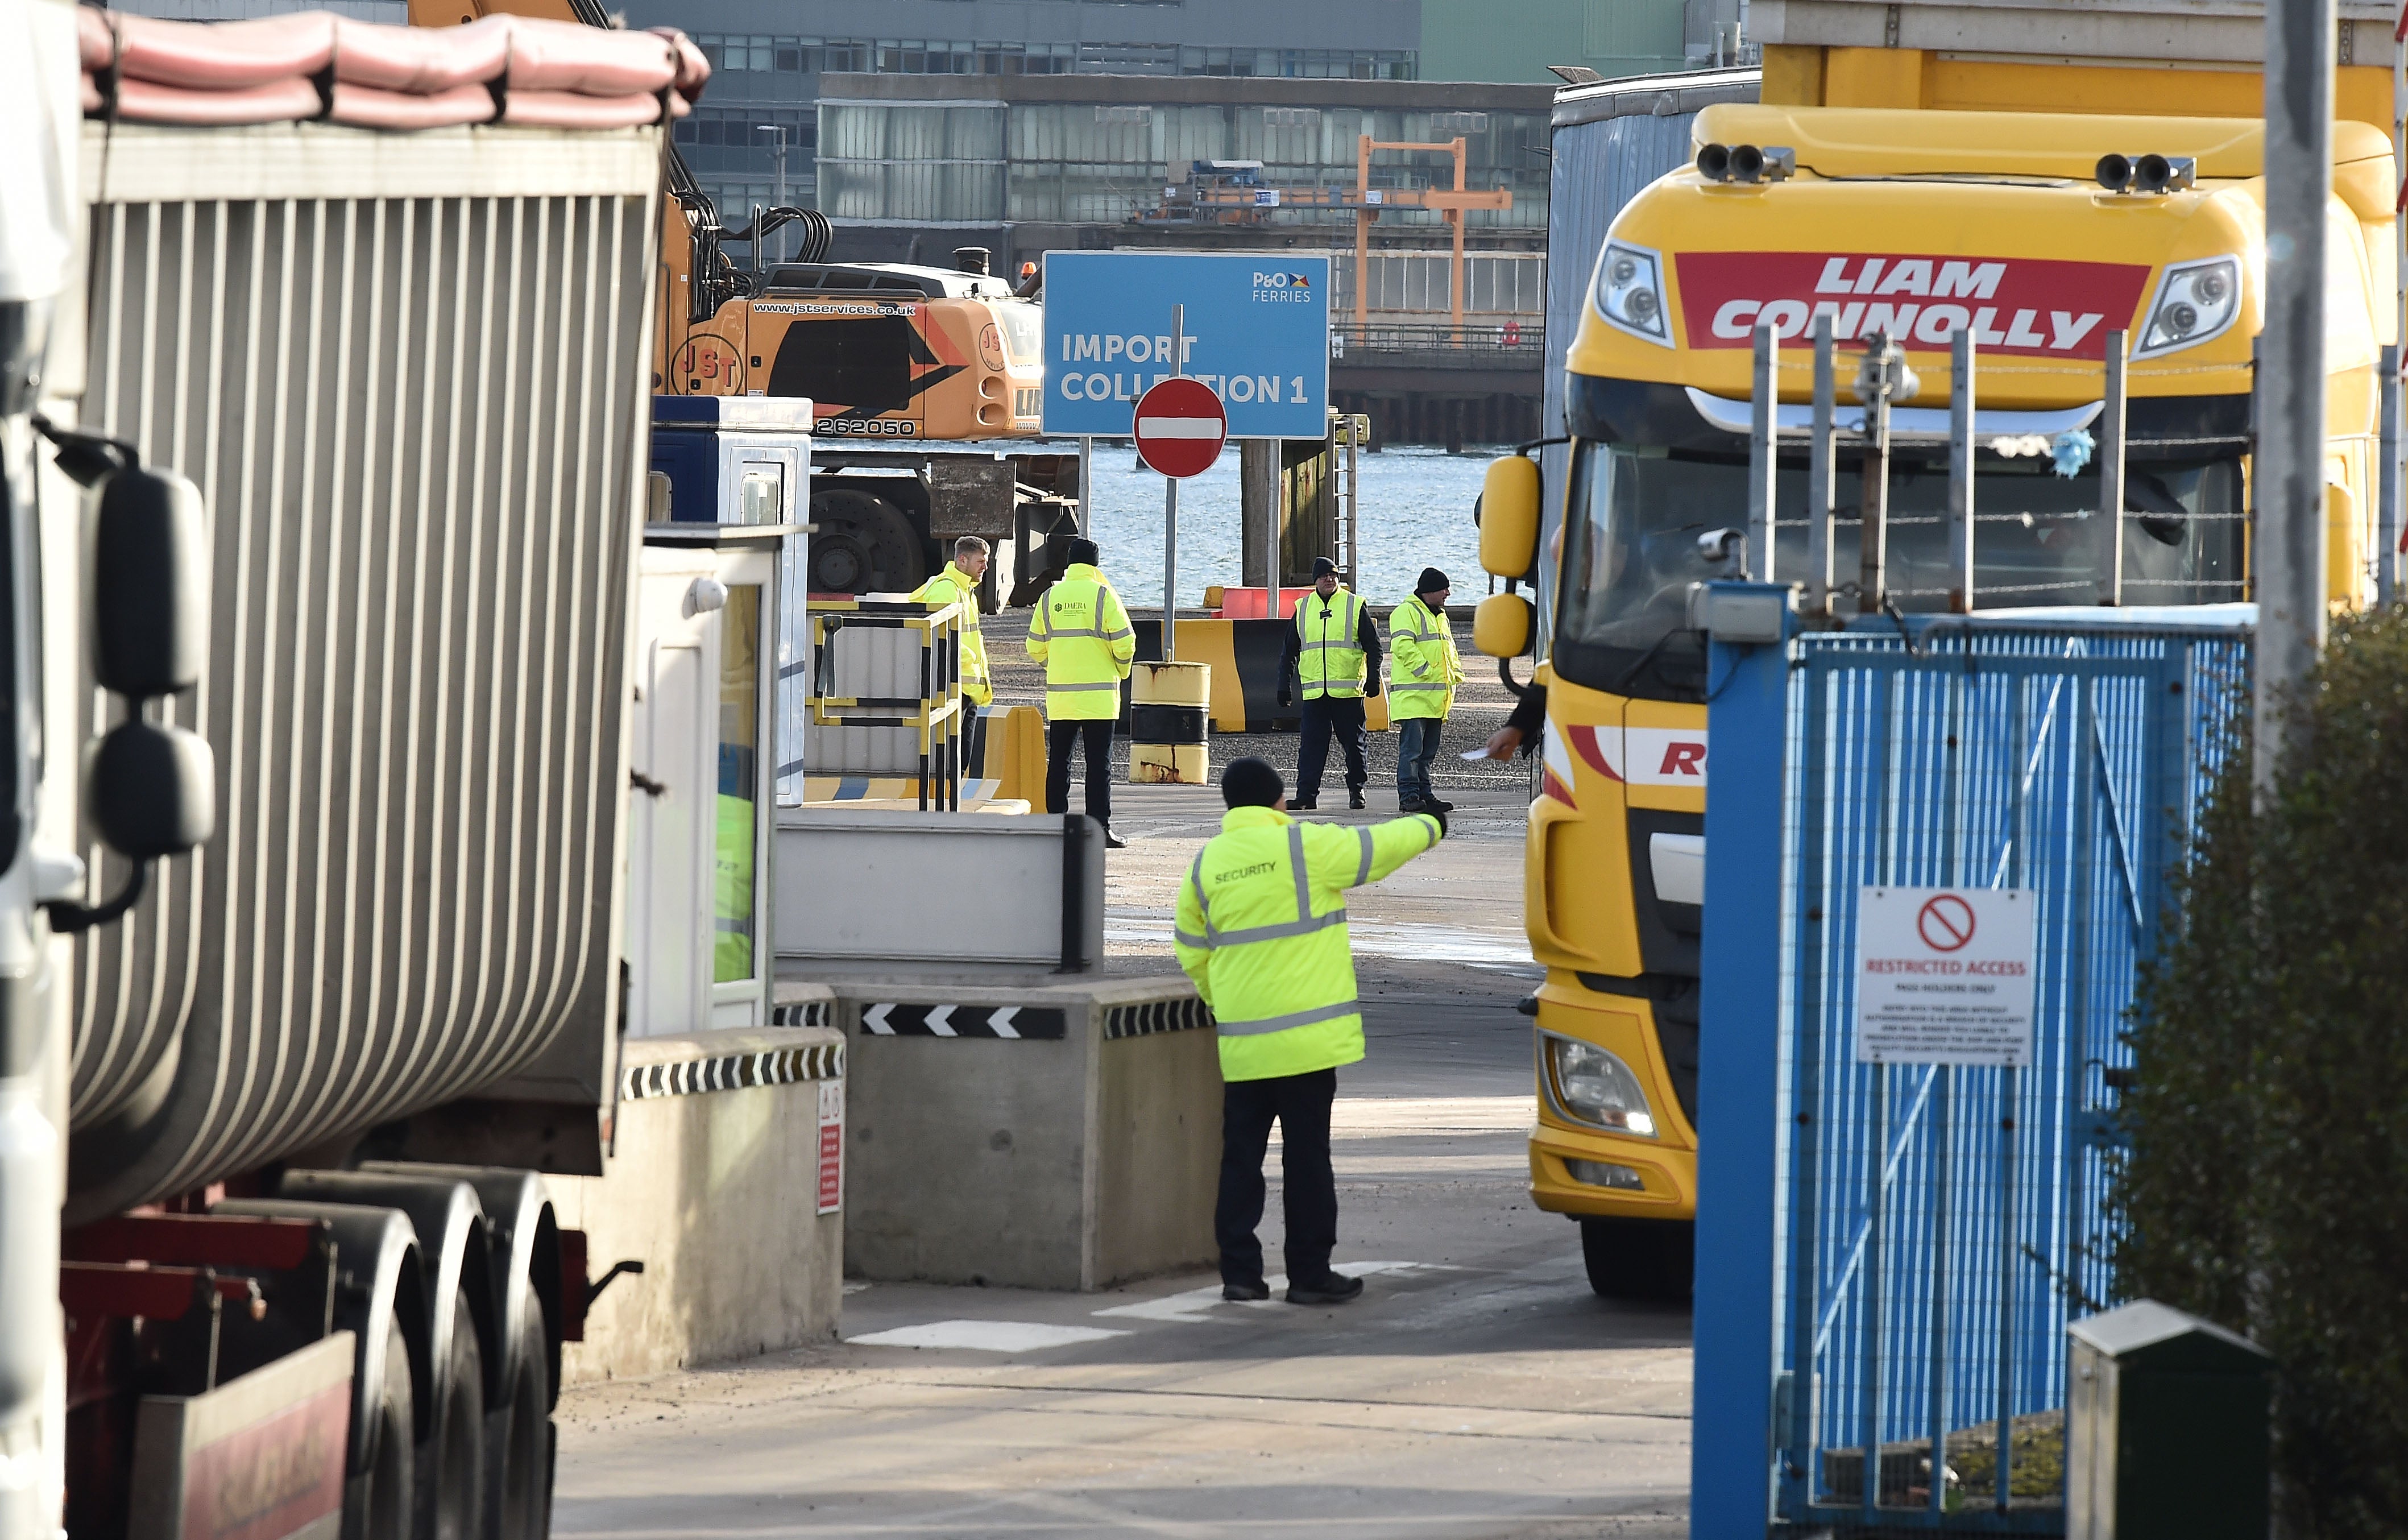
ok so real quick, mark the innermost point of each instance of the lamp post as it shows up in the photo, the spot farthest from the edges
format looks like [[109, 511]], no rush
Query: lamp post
[[780, 201]]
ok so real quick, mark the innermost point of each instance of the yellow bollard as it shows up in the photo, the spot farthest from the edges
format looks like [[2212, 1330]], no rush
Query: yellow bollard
[[1167, 706]]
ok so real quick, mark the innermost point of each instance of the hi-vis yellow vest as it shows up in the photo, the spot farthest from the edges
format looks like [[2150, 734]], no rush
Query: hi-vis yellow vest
[[1262, 931], [1423, 669], [1331, 660], [947, 586], [1084, 638]]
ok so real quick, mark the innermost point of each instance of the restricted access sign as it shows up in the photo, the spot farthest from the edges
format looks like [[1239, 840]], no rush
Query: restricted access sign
[[1944, 975], [1181, 426]]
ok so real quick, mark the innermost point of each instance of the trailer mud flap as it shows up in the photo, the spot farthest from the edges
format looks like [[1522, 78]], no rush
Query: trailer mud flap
[[260, 1456]]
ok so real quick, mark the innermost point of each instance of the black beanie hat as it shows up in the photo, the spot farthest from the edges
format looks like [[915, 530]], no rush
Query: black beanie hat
[[1324, 567], [1251, 782], [1432, 580], [1081, 552]]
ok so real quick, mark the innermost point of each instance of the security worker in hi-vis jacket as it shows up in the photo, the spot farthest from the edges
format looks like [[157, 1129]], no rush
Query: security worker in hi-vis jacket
[[1332, 657], [1083, 636], [1261, 928]]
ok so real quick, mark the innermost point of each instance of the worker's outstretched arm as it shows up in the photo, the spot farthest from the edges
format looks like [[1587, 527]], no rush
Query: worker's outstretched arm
[[1188, 939], [1342, 856], [1112, 620]]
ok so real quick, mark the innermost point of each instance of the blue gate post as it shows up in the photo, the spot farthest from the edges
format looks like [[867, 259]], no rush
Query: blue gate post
[[1739, 1070]]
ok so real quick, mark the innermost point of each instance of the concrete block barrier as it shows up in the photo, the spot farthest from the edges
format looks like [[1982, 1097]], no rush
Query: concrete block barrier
[[727, 1182], [1057, 1137]]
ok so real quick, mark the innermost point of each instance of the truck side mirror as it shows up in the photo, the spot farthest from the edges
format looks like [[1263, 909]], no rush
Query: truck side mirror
[[1509, 516], [151, 791], [150, 589], [1501, 627]]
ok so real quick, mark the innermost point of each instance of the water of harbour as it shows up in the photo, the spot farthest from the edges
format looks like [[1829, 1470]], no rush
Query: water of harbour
[[1416, 510]]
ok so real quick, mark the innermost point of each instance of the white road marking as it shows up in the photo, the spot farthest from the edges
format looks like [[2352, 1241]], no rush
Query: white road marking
[[985, 1336]]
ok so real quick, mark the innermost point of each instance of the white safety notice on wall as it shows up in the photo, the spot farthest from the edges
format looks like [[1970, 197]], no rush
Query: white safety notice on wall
[[1944, 975]]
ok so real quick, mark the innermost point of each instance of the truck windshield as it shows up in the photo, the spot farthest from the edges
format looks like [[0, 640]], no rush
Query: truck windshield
[[1635, 516]]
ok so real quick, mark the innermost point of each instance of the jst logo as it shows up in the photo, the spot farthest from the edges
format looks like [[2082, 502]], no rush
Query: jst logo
[[2044, 308]]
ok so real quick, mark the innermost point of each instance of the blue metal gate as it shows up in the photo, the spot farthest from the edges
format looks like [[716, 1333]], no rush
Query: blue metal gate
[[1932, 1228]]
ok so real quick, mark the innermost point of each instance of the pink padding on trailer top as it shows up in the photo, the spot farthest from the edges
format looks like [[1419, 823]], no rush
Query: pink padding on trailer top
[[367, 107], [226, 55], [694, 69], [574, 110], [424, 61], [566, 56], [277, 102], [551, 73]]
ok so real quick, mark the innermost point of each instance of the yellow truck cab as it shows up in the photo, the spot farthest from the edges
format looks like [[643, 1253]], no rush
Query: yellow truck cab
[[1890, 217]]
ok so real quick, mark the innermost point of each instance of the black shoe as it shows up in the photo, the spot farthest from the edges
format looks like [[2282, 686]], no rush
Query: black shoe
[[1302, 804], [1431, 804], [1239, 1293], [1113, 841], [1355, 799], [1335, 1289], [1412, 804]]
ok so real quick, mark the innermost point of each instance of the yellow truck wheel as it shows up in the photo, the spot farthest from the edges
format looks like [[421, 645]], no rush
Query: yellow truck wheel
[[1640, 1258]]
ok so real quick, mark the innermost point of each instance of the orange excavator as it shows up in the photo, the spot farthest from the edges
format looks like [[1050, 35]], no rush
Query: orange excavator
[[899, 360]]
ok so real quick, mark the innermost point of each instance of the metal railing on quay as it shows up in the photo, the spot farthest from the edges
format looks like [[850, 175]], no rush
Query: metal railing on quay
[[1505, 338]]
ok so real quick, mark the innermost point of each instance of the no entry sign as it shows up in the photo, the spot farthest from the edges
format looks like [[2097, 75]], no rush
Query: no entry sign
[[1180, 426], [1944, 975]]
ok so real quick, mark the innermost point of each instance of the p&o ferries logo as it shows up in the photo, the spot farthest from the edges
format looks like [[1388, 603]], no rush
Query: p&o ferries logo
[[1274, 288]]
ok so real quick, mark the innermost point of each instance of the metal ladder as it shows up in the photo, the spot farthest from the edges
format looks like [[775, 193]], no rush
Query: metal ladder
[[1349, 436]]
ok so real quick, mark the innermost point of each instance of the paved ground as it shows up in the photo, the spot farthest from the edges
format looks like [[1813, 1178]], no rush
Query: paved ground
[[1478, 1389]]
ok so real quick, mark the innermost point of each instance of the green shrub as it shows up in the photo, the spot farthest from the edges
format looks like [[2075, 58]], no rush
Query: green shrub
[[2266, 1187]]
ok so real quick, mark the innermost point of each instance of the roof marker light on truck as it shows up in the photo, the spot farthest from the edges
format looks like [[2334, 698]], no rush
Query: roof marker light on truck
[[1747, 162], [2146, 173]]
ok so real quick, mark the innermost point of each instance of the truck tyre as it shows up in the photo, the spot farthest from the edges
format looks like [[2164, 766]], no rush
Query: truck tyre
[[519, 1461], [864, 545], [451, 1463], [1640, 1258], [379, 1502]]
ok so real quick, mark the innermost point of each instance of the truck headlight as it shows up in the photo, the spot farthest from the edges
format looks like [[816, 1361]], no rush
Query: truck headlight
[[1630, 291], [2196, 301], [1596, 1088]]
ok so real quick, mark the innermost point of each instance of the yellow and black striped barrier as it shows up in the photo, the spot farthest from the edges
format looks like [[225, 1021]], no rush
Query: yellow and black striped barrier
[[1167, 702], [1244, 656]]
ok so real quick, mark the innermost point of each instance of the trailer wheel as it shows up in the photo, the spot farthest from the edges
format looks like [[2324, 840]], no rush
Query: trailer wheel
[[378, 1503], [452, 1473], [1640, 1258], [521, 1470], [864, 545]]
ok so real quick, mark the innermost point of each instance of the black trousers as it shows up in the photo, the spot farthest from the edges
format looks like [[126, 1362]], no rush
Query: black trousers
[[1059, 736], [1309, 1192], [1343, 715]]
